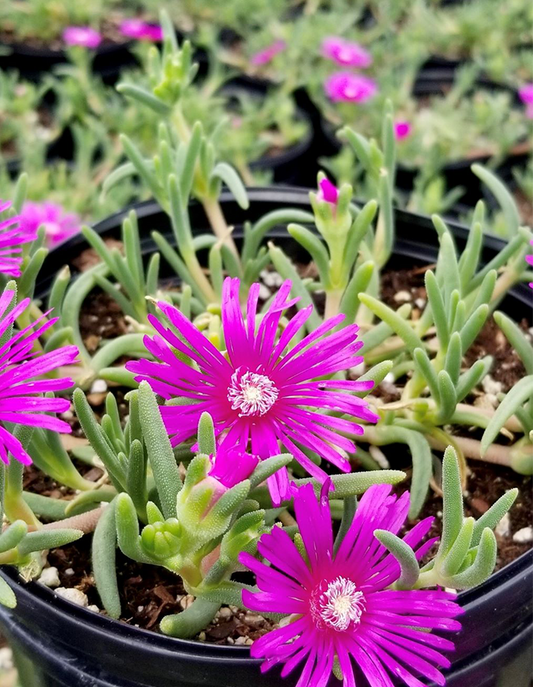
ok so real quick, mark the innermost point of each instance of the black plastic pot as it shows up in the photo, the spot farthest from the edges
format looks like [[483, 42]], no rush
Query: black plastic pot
[[72, 647], [34, 63]]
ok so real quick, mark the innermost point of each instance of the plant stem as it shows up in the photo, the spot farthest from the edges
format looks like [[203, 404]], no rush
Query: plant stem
[[496, 454], [218, 223], [85, 522], [333, 301]]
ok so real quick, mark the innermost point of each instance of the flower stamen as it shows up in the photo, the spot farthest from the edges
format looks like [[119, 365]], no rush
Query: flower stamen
[[341, 604], [251, 393]]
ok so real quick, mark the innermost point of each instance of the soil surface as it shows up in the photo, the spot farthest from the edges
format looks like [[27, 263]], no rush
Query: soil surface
[[148, 592]]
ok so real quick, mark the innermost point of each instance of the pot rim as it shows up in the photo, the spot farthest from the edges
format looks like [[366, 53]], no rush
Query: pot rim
[[520, 567]]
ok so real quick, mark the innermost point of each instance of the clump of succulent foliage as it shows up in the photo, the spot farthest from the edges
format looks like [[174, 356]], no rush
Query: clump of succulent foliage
[[44, 22], [237, 404], [467, 121]]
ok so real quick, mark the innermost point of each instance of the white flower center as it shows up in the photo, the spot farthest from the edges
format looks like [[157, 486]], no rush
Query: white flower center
[[341, 604], [344, 54], [351, 91], [251, 393]]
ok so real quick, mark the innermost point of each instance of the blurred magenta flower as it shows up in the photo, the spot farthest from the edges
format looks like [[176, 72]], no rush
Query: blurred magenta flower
[[340, 602], [351, 88], [267, 54], [346, 53], [525, 93], [328, 191], [141, 30], [13, 234], [82, 35], [258, 393], [402, 130], [58, 224], [21, 389]]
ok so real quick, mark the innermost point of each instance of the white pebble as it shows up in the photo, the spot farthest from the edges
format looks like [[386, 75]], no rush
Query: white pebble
[[523, 536], [225, 612], [380, 458], [420, 303], [491, 386], [264, 292], [503, 528], [98, 386], [140, 609], [240, 641], [50, 577], [6, 659], [402, 297], [389, 378], [271, 278], [93, 607], [186, 601], [74, 595], [69, 572]]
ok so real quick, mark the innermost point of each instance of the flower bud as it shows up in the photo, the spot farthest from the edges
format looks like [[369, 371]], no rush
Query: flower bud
[[215, 487]]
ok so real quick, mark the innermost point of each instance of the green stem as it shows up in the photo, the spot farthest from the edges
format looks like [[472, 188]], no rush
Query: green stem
[[14, 505], [218, 224], [333, 301]]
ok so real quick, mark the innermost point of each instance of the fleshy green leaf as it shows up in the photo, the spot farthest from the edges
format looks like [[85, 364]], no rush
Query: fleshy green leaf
[[7, 595], [405, 556], [103, 557], [206, 435], [452, 505], [483, 565], [493, 516], [513, 400], [160, 453]]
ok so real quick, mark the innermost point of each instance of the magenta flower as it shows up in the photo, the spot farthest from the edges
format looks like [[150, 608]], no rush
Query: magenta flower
[[82, 35], [328, 191], [350, 88], [141, 30], [402, 130], [267, 54], [341, 601], [21, 390], [346, 53], [232, 466], [13, 235], [257, 395], [58, 224], [525, 93]]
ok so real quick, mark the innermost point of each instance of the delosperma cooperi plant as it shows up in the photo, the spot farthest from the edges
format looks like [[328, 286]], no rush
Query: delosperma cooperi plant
[[244, 408]]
